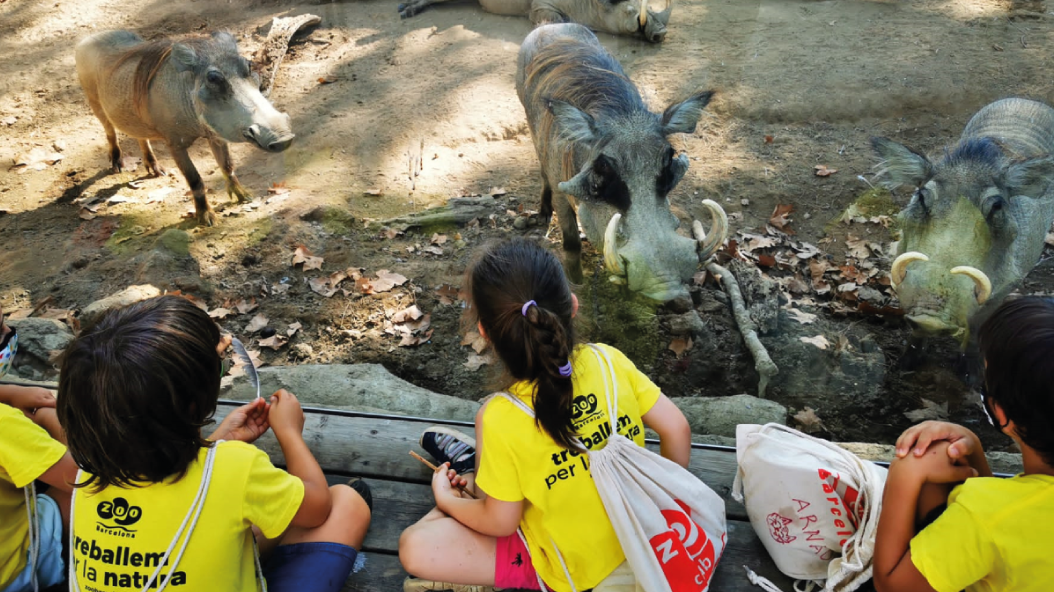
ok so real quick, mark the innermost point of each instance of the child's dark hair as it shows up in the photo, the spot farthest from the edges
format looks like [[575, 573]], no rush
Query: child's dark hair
[[533, 342], [1017, 343], [135, 389]]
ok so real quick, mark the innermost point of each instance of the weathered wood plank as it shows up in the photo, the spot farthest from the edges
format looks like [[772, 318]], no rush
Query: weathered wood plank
[[373, 447]]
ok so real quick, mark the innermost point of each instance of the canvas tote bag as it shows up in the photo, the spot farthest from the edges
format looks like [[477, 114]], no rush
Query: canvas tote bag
[[814, 505], [671, 525]]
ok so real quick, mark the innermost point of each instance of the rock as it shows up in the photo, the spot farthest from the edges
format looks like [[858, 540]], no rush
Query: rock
[[39, 341], [356, 387], [681, 304], [720, 415], [302, 350], [174, 240], [1000, 462], [123, 298], [519, 223], [688, 323]]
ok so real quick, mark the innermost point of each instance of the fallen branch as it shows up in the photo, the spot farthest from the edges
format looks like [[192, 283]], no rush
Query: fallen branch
[[273, 51], [457, 212], [764, 365]]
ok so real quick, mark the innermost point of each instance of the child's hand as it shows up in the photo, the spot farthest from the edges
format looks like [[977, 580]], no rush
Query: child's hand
[[286, 416], [225, 342], [246, 423], [934, 466], [27, 399], [962, 442], [442, 485]]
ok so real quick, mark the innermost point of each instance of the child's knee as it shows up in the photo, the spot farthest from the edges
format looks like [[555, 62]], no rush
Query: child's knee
[[348, 503], [410, 549]]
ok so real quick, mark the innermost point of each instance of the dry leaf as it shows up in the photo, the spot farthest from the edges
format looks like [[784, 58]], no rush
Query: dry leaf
[[274, 342], [410, 340], [766, 260], [322, 286], [447, 294], [808, 421], [819, 341], [477, 341], [497, 191], [258, 322], [680, 345], [757, 241], [278, 189], [36, 159], [387, 280], [85, 214], [821, 170], [769, 139], [302, 255], [438, 239], [778, 218], [801, 316], [327, 79], [477, 360], [293, 328], [858, 247], [433, 250], [699, 278], [374, 193], [280, 288], [244, 306], [407, 314], [219, 313]]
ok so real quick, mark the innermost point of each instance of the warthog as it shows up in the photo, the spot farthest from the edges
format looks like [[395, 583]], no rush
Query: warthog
[[608, 157], [978, 217], [618, 17], [179, 92]]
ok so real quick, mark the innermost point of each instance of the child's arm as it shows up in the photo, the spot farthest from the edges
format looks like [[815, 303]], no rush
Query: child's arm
[[287, 422], [964, 444], [486, 516], [62, 474], [675, 435], [894, 571], [26, 399]]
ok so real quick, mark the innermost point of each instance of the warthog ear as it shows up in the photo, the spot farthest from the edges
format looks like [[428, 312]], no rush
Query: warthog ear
[[186, 58], [579, 186], [225, 38], [681, 118], [575, 125], [901, 165], [1029, 177]]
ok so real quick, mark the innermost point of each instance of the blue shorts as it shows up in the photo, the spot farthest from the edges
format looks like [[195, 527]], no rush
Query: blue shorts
[[50, 568], [309, 567]]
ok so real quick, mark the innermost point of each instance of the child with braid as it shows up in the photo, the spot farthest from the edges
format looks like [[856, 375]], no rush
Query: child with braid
[[532, 474]]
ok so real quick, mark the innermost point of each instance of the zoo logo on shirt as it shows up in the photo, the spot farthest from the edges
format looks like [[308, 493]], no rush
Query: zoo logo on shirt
[[121, 513], [584, 410]]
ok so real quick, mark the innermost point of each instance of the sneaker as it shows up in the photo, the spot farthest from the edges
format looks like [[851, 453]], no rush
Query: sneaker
[[363, 489], [446, 444], [412, 584]]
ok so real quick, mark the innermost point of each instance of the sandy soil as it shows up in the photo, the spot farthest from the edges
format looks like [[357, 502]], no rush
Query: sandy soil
[[800, 82]]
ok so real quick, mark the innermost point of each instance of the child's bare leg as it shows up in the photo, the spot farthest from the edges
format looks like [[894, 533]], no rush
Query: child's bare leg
[[442, 549], [348, 521], [46, 418]]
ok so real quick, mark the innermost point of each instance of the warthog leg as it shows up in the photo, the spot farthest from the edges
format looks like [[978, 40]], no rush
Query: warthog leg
[[235, 190], [203, 212], [150, 160], [572, 242], [546, 209], [111, 134]]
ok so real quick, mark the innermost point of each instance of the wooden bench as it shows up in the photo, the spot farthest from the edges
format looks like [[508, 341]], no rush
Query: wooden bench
[[376, 447]]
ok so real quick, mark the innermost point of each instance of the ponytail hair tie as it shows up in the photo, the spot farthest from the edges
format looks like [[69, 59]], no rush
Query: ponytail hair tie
[[527, 305], [565, 370]]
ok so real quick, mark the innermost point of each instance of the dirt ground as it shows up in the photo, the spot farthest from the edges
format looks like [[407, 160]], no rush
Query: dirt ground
[[396, 116]]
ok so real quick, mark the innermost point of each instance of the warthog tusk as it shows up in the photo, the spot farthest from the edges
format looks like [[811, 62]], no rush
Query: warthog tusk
[[642, 18], [984, 285], [612, 261], [710, 243], [664, 16], [900, 266]]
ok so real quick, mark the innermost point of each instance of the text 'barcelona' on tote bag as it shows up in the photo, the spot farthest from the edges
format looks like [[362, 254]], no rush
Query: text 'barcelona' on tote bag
[[671, 525], [814, 505]]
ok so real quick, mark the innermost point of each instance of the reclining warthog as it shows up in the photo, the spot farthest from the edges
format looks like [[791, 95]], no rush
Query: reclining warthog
[[608, 157], [179, 92], [618, 17], [976, 222]]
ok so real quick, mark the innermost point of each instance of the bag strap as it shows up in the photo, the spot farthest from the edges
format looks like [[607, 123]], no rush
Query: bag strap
[[191, 517], [610, 385], [33, 515]]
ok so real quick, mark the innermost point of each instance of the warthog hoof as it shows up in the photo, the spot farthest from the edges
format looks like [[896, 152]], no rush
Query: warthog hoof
[[156, 170], [206, 217], [239, 193]]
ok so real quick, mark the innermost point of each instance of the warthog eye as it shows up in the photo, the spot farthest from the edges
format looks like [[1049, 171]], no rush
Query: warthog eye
[[922, 197], [215, 77]]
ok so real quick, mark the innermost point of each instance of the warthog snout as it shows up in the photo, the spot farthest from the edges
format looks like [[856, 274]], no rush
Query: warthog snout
[[268, 139]]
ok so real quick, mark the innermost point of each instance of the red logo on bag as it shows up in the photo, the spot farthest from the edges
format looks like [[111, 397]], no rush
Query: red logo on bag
[[685, 552], [778, 528]]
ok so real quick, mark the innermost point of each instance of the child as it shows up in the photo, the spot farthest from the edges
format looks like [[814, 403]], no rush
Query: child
[[992, 534], [135, 389], [31, 527], [533, 475]]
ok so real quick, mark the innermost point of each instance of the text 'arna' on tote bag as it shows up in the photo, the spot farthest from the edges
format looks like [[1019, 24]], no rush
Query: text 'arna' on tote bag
[[671, 526]]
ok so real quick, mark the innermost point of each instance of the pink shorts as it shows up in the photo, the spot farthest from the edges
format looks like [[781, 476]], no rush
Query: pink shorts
[[512, 566]]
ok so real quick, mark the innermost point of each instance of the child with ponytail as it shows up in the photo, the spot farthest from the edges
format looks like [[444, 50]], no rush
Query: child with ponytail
[[532, 474]]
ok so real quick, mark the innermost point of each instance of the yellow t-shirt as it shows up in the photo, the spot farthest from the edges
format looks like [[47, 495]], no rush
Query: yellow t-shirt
[[26, 453], [120, 534], [994, 537], [519, 461]]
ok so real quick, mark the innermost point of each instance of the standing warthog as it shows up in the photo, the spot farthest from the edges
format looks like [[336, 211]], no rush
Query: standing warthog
[[179, 92], [608, 158], [618, 17], [977, 220]]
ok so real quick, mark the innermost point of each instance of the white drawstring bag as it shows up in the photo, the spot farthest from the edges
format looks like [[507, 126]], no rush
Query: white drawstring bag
[[191, 517], [671, 525], [814, 505]]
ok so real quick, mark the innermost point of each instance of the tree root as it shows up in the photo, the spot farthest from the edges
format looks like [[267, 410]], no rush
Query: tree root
[[764, 365], [457, 212], [271, 54]]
